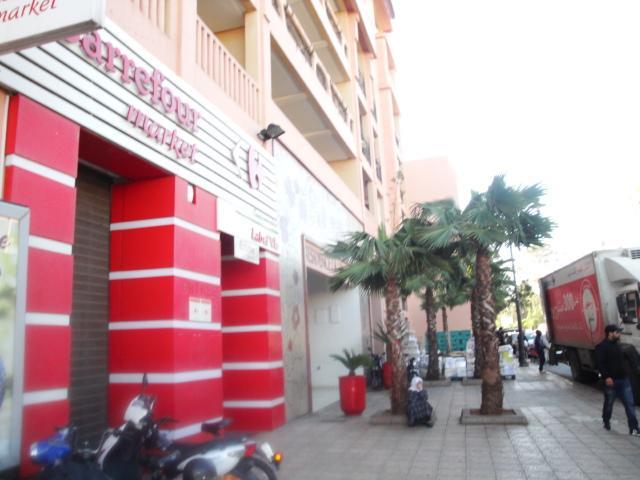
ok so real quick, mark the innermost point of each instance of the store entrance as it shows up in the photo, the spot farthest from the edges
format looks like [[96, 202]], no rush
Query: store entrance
[[334, 324], [90, 312]]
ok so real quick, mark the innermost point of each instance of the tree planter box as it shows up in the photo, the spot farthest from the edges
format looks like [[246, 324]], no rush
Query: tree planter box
[[353, 394], [471, 381], [508, 417], [443, 382]]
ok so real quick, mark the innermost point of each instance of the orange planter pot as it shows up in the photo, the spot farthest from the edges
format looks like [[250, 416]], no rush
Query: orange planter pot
[[386, 374], [353, 390]]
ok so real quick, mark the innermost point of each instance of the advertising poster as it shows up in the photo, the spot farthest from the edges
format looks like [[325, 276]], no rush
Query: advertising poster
[[8, 284], [12, 289]]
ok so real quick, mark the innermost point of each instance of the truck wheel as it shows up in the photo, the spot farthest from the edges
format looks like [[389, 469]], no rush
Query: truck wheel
[[577, 372], [553, 360]]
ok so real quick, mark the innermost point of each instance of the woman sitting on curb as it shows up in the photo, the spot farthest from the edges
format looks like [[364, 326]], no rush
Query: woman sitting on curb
[[419, 410]]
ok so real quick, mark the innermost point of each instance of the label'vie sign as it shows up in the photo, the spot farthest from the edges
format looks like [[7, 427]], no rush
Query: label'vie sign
[[27, 23]]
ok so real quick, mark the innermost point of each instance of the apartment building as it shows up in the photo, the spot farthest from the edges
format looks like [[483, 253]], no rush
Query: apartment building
[[173, 229]]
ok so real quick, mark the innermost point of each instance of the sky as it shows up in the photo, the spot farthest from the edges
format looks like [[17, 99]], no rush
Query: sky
[[544, 91]]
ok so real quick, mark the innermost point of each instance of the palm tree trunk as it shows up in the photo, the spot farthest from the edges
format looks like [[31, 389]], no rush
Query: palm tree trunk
[[492, 391], [398, 374], [445, 329], [433, 370], [475, 329]]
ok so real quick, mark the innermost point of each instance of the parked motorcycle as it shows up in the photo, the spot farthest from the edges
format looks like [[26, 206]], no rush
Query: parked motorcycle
[[140, 449], [374, 377]]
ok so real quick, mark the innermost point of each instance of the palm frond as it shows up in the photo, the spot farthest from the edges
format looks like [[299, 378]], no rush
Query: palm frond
[[351, 360]]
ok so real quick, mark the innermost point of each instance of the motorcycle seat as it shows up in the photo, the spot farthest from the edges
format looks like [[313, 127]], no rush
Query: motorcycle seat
[[190, 449], [215, 427]]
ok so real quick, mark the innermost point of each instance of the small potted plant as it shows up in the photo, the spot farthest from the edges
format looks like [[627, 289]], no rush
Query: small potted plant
[[353, 387]]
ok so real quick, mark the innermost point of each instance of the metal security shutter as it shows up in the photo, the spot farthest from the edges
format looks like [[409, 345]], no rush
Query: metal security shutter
[[90, 314]]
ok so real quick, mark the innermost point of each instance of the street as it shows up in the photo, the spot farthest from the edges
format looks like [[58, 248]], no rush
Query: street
[[564, 438]]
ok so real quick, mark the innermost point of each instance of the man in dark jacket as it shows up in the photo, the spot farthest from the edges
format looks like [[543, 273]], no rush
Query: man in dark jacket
[[614, 371]]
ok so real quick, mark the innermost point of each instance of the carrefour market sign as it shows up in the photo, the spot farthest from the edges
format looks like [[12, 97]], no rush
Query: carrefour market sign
[[27, 23]]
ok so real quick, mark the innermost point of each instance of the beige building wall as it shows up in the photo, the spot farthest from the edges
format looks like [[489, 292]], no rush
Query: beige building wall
[[323, 70], [428, 180]]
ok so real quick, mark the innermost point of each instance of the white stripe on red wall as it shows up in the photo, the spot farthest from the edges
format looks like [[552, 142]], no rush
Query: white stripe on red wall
[[252, 365], [269, 256], [252, 328], [44, 396], [189, 430], [264, 254], [171, 378], [49, 245], [162, 324], [41, 170], [164, 272], [247, 292], [49, 319], [163, 222], [253, 403]]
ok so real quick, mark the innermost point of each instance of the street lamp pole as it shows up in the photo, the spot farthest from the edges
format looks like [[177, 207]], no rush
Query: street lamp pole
[[521, 358]]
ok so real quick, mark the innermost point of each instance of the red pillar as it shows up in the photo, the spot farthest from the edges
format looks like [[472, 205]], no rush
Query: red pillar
[[41, 168], [165, 259], [252, 343]]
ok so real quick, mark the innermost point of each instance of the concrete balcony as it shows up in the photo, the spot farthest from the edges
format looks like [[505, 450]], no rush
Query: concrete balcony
[[321, 27], [367, 23], [222, 67], [304, 90], [153, 23], [181, 34]]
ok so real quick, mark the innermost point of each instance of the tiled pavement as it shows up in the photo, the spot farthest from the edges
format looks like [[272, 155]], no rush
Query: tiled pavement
[[564, 439]]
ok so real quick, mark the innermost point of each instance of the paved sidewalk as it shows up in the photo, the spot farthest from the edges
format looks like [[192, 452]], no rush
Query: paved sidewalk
[[564, 439]]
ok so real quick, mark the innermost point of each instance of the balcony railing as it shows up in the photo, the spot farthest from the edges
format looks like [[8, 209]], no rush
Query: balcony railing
[[304, 46], [336, 28], [378, 169], [323, 77], [340, 105], [333, 21], [156, 11], [221, 67], [366, 150], [360, 81], [297, 32]]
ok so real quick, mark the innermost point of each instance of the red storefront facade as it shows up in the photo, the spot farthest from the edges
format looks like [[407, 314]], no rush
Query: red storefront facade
[[172, 298]]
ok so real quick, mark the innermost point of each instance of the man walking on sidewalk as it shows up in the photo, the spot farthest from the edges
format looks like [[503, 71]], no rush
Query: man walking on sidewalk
[[540, 343], [613, 369]]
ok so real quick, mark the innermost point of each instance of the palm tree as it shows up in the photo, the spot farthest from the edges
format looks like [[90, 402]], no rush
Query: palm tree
[[379, 265], [502, 215], [432, 266], [423, 286]]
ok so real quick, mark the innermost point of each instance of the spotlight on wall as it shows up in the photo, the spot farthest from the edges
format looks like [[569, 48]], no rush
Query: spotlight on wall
[[272, 132]]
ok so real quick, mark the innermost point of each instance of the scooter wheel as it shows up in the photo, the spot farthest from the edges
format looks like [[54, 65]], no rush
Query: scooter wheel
[[252, 468]]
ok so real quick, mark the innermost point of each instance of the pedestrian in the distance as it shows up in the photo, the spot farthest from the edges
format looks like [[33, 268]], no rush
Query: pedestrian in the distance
[[615, 373], [540, 343]]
